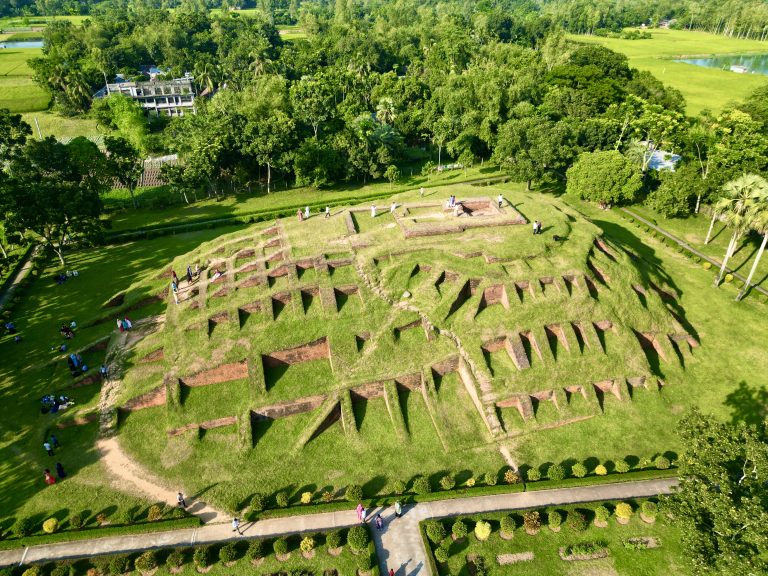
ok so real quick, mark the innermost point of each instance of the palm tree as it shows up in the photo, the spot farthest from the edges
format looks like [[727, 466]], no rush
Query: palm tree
[[736, 207], [759, 225]]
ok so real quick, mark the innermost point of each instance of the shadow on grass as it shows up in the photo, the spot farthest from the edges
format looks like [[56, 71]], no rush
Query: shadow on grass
[[748, 404]]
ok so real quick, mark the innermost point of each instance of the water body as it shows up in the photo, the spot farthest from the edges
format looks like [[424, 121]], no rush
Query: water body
[[22, 44], [754, 63]]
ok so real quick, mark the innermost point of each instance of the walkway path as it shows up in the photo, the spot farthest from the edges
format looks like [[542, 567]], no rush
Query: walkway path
[[398, 546], [20, 275], [690, 248]]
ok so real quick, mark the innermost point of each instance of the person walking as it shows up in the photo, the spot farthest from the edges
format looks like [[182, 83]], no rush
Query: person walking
[[299, 215], [535, 226], [421, 191], [359, 511], [391, 572], [47, 448], [327, 211], [180, 499], [398, 509], [60, 471], [55, 442], [236, 526], [363, 515], [174, 289], [392, 207], [379, 522], [538, 228], [49, 479], [175, 278], [373, 211], [306, 212], [189, 274], [500, 199]]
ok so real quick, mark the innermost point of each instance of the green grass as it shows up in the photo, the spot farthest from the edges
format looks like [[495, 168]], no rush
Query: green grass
[[51, 124], [23, 36], [16, 22], [703, 88], [18, 92]]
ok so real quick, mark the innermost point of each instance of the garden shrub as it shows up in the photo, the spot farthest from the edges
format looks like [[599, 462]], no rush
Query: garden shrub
[[579, 470], [707, 265], [532, 520], [146, 562], [661, 463], [62, 568], [602, 513], [490, 479], [507, 524], [364, 562], [585, 548], [155, 512], [441, 554], [50, 526], [333, 539], [398, 487], [33, 571], [175, 559], [436, 531], [649, 509], [601, 470], [126, 517], [119, 564], [511, 477], [480, 567], [202, 556], [354, 493], [421, 485], [622, 466], [624, 511], [554, 519], [729, 277], [177, 513], [576, 521], [447, 482], [327, 496], [76, 520], [358, 538], [228, 552], [482, 530], [533, 475], [255, 549], [280, 546], [281, 499], [24, 526], [258, 502], [470, 482], [307, 544], [556, 472], [459, 529], [306, 497]]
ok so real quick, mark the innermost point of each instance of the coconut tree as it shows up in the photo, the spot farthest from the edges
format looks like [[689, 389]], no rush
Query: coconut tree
[[759, 225], [736, 208]]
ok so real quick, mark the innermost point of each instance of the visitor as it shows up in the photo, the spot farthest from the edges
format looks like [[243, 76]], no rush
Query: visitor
[[197, 270], [398, 509], [327, 211], [17, 339], [453, 200], [391, 572], [62, 348], [55, 442], [539, 229], [306, 212], [174, 289], [50, 480], [535, 227], [127, 323], [217, 274], [421, 191], [73, 325], [379, 522], [373, 211], [66, 331], [61, 278], [60, 471], [392, 207], [120, 324], [103, 371], [189, 274], [180, 499], [500, 199], [359, 511], [236, 525], [11, 327], [175, 278], [47, 448], [299, 215], [363, 515]]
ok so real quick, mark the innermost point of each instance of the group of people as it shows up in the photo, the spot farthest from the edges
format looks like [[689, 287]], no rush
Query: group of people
[[50, 445], [62, 277], [10, 327], [362, 515], [52, 403], [124, 325], [536, 227], [76, 364], [190, 276], [68, 331]]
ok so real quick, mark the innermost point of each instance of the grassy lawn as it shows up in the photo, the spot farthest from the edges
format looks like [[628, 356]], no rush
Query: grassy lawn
[[702, 87], [62, 127], [18, 92], [667, 558], [17, 22]]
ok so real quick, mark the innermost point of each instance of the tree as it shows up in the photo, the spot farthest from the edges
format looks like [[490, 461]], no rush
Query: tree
[[392, 173], [673, 198], [736, 210], [720, 504], [604, 177], [267, 139], [13, 134], [760, 225], [312, 100], [125, 163]]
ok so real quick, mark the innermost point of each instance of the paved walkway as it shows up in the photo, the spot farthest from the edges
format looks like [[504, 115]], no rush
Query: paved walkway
[[398, 546]]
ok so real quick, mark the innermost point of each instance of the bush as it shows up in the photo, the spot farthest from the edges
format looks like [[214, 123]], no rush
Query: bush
[[585, 548], [327, 496], [228, 552], [490, 479], [554, 519], [146, 562], [62, 568], [447, 482], [281, 499], [333, 539], [482, 530], [579, 470], [307, 544], [601, 470], [354, 493], [202, 556], [76, 520], [398, 487], [280, 546], [258, 502], [421, 485], [624, 511], [511, 477], [533, 475], [33, 571], [707, 265], [436, 531], [470, 482], [649, 509], [729, 277], [441, 555], [255, 550], [175, 559], [507, 524], [532, 520], [50, 526], [459, 529], [556, 472], [622, 466], [364, 562], [177, 513], [306, 497], [576, 521], [120, 564], [24, 526], [358, 538], [155, 512], [661, 463], [602, 514]]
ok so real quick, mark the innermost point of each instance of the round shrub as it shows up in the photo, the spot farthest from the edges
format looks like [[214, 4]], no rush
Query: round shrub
[[280, 546], [281, 499], [507, 524], [459, 529], [354, 493], [435, 531], [155, 512], [490, 479], [177, 512], [511, 477], [306, 497], [398, 487], [602, 514], [421, 485], [624, 511], [50, 526], [120, 564], [576, 521], [579, 470], [482, 530], [601, 470], [255, 550], [127, 517], [62, 568], [175, 559], [24, 526], [649, 509], [146, 562], [532, 521], [533, 475], [470, 482], [554, 519], [622, 466], [661, 463], [358, 538], [447, 482], [33, 571], [441, 555], [327, 496], [729, 277], [307, 544], [707, 265], [364, 562], [76, 520], [228, 552], [258, 502], [333, 539], [556, 472], [202, 556]]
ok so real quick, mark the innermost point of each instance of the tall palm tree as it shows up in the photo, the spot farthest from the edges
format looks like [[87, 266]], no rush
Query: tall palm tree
[[736, 207], [759, 225]]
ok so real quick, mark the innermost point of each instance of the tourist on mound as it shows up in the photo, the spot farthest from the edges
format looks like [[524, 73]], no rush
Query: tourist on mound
[[535, 227], [175, 278], [49, 479], [373, 211], [421, 191], [47, 448], [306, 212], [391, 572], [197, 270], [189, 274], [55, 441], [500, 199], [174, 289], [299, 215], [11, 327], [180, 499], [539, 228], [398, 509], [127, 324], [327, 211], [103, 371], [379, 522], [120, 324], [60, 471], [393, 207]]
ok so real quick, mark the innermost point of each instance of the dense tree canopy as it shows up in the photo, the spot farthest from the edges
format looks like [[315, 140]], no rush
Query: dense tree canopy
[[604, 177]]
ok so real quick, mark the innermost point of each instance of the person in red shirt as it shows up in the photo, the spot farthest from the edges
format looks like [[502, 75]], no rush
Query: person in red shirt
[[49, 479]]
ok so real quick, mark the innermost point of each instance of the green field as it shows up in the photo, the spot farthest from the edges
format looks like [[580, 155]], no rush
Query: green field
[[703, 88], [18, 92], [51, 124]]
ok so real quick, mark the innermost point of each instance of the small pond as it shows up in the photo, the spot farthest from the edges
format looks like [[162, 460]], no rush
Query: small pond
[[754, 63], [22, 44]]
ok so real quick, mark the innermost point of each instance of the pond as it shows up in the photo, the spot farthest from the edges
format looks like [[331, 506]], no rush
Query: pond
[[753, 63], [22, 44]]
